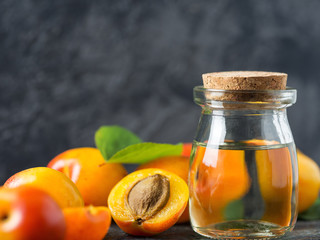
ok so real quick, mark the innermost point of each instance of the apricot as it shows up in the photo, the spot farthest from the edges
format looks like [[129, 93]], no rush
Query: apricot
[[148, 201], [186, 149], [28, 213], [87, 222], [176, 164], [93, 176], [217, 177], [309, 181], [53, 182], [275, 177]]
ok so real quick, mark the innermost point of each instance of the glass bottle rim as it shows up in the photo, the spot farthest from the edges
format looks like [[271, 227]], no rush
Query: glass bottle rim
[[251, 99]]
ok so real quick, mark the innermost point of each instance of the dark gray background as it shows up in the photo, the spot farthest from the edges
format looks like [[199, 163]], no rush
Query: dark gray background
[[69, 66]]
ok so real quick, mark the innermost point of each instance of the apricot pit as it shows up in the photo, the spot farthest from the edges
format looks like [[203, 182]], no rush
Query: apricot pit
[[148, 196]]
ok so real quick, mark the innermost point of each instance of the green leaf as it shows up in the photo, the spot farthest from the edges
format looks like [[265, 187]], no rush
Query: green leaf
[[111, 139], [234, 210], [312, 213], [144, 152]]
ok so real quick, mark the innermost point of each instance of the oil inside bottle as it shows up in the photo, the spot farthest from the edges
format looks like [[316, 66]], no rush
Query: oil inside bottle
[[243, 189]]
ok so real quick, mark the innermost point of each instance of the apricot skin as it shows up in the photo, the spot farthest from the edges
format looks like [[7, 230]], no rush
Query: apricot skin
[[146, 229], [87, 222], [31, 214], [93, 176], [163, 219], [55, 183], [309, 181], [186, 149], [274, 169]]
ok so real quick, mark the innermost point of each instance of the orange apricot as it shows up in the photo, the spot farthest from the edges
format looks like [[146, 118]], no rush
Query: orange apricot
[[275, 179], [217, 177], [309, 178], [176, 164], [309, 181], [93, 176], [53, 182], [148, 201], [87, 222]]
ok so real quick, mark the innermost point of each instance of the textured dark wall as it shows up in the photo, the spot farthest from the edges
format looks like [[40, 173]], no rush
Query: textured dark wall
[[69, 66]]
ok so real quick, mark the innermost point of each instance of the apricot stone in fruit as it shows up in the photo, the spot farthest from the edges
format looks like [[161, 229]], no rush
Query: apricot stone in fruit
[[149, 196]]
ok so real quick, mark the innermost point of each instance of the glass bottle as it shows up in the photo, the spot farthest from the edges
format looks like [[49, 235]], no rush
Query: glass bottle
[[243, 176]]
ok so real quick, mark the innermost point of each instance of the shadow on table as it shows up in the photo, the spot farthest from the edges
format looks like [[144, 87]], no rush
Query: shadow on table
[[304, 230]]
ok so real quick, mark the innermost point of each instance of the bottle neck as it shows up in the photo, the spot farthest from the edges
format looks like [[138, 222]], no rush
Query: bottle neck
[[219, 126], [244, 112], [244, 100]]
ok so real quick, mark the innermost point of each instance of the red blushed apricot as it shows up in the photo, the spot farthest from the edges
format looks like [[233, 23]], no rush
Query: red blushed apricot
[[186, 149], [28, 213], [176, 164], [148, 201], [93, 176], [85, 223], [55, 183]]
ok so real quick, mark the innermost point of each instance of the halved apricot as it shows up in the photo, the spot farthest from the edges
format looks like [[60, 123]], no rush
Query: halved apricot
[[87, 222], [148, 201]]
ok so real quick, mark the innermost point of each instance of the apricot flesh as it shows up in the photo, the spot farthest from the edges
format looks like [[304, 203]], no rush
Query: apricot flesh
[[163, 219], [87, 222], [53, 182], [176, 164]]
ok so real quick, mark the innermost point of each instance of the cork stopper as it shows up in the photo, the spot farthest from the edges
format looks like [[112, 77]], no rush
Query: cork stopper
[[245, 80]]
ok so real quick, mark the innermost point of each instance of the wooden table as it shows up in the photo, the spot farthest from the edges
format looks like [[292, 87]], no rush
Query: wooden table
[[304, 230]]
